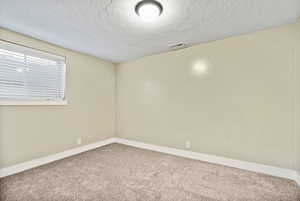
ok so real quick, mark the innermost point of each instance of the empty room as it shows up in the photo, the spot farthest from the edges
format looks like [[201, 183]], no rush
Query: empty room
[[149, 100]]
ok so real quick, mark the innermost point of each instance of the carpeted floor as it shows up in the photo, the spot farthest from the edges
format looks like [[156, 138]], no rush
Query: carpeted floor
[[121, 173]]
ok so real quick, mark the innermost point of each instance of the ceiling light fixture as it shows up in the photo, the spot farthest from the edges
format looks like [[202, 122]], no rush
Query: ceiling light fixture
[[149, 10]]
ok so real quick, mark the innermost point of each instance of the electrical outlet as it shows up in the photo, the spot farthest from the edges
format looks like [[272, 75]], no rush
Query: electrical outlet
[[79, 141], [187, 144]]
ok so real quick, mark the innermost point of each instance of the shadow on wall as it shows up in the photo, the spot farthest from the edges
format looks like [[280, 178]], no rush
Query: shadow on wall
[[1, 138]]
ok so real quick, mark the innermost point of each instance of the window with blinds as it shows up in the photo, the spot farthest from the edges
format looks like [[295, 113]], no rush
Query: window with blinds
[[29, 74]]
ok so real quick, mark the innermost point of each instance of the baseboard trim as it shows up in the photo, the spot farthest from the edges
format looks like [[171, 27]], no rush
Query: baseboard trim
[[254, 167], [269, 170], [48, 159], [298, 179]]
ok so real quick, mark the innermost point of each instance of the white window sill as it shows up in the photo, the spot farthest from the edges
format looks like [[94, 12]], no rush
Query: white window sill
[[11, 102]]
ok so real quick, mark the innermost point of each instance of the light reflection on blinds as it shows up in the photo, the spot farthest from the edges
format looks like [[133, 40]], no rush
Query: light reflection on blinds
[[28, 74]]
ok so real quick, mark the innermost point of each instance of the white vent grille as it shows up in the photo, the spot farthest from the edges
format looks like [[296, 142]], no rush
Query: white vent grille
[[178, 46]]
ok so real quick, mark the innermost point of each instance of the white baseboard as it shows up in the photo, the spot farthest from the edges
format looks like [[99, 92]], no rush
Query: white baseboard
[[274, 171], [259, 168], [298, 179], [48, 159]]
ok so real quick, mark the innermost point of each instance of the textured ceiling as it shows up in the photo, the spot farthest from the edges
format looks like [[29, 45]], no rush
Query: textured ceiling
[[109, 29]]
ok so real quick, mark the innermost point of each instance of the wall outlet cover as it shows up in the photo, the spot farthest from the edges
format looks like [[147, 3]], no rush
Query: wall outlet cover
[[187, 144], [79, 141]]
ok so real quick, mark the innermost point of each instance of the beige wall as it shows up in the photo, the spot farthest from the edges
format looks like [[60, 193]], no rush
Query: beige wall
[[297, 97], [232, 98], [238, 98], [29, 132]]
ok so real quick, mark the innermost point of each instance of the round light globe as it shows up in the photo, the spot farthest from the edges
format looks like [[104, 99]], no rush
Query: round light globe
[[148, 10]]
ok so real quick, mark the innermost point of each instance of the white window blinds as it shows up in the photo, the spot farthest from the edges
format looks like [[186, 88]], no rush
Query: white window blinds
[[29, 74]]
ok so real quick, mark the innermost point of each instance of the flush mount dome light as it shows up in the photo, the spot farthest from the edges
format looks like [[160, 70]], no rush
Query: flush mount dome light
[[149, 10]]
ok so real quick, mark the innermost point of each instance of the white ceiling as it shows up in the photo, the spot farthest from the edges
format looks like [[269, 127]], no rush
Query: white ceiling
[[110, 29]]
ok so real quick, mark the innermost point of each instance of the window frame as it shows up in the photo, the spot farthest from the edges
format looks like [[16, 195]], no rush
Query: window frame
[[32, 102]]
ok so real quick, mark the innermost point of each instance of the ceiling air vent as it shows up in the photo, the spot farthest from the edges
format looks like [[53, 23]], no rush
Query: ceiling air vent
[[178, 46]]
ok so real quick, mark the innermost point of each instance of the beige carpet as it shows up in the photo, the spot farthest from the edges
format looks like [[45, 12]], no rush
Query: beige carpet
[[121, 173]]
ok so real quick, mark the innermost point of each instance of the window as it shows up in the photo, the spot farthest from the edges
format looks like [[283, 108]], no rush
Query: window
[[30, 76]]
